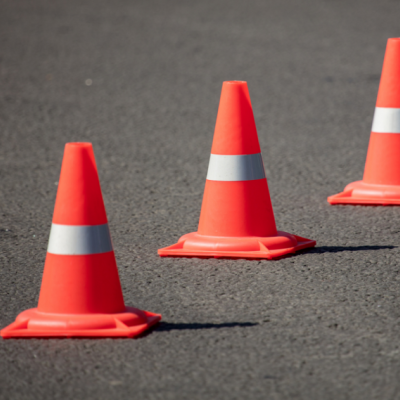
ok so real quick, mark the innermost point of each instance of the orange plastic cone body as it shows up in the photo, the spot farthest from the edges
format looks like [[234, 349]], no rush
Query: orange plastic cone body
[[81, 293], [236, 219], [381, 181]]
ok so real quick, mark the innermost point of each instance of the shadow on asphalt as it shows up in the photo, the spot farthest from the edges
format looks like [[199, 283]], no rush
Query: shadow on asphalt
[[339, 249], [169, 326]]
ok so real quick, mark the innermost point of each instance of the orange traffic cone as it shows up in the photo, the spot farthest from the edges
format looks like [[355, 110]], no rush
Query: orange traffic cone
[[381, 182], [236, 218], [81, 293]]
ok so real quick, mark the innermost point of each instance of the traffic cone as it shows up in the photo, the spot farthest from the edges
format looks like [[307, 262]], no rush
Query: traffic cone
[[236, 219], [81, 293], [381, 182]]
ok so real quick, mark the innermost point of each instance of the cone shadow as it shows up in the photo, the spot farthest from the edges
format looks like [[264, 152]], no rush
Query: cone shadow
[[339, 249], [170, 326]]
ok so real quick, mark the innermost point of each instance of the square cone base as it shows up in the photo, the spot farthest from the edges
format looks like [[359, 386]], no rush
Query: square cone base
[[33, 324], [195, 245], [361, 193]]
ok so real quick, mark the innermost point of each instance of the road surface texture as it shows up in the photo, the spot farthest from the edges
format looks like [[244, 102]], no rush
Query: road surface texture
[[141, 80]]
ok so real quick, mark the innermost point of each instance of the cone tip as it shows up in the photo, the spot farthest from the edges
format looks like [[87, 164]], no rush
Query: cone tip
[[79, 199], [389, 87], [79, 144], [238, 83], [393, 42]]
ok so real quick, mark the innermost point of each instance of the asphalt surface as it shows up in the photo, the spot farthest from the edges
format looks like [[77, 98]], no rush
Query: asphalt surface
[[141, 80]]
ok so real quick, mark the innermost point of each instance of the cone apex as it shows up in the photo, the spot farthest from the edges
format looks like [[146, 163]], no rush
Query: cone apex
[[244, 83], [235, 130], [79, 199], [79, 144], [389, 87]]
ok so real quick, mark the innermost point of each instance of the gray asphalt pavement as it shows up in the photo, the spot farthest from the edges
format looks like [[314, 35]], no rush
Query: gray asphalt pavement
[[141, 80]]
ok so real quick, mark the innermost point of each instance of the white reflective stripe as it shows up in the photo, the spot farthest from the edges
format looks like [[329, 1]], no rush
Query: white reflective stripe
[[79, 240], [386, 120], [235, 168]]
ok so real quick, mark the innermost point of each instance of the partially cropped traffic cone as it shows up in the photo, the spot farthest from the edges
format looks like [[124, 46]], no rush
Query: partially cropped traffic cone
[[237, 219], [81, 293], [381, 182]]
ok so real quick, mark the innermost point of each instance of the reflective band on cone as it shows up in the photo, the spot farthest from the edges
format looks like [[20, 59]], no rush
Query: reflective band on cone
[[236, 218], [79, 240], [247, 167], [386, 120]]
